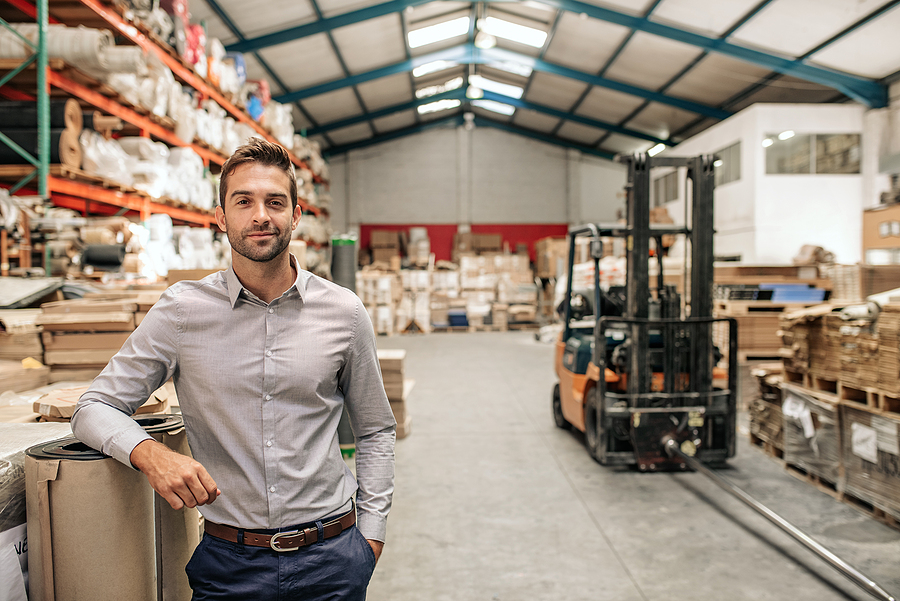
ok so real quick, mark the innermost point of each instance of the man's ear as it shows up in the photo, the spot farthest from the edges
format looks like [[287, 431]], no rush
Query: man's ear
[[220, 218], [295, 221]]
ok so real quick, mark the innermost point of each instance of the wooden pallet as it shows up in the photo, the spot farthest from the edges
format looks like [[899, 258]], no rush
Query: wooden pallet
[[524, 325], [449, 328], [767, 447], [823, 484], [868, 398]]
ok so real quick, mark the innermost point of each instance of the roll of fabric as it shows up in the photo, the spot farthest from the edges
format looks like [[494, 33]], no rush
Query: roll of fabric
[[64, 147], [64, 114], [103, 255], [124, 59]]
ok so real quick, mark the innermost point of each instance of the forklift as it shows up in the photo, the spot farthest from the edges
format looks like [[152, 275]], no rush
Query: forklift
[[638, 371], [637, 366]]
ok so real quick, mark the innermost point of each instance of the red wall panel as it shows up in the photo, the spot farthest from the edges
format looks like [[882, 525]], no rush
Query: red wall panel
[[442, 235]]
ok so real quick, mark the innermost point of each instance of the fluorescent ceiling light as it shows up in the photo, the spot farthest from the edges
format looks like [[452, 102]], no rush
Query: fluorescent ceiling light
[[473, 92], [512, 67], [440, 105], [497, 107], [453, 84], [718, 163], [485, 40], [438, 33], [432, 67], [495, 86], [511, 31], [786, 135], [767, 142], [656, 149]]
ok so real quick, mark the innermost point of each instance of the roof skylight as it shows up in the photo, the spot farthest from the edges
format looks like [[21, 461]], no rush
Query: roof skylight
[[438, 32], [495, 86], [497, 107], [440, 105], [513, 32], [453, 84]]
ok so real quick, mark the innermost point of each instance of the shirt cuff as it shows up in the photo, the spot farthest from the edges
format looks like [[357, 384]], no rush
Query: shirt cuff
[[372, 526], [124, 443]]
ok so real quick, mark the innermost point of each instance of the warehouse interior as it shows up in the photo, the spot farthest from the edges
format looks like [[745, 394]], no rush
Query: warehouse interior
[[632, 268]]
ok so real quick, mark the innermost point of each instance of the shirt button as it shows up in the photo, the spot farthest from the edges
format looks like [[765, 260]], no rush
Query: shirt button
[[268, 397], [268, 353], [268, 443], [271, 310], [271, 489]]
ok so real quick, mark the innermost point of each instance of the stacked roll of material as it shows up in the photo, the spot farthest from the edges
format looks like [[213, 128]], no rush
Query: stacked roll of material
[[90, 525], [19, 121], [81, 46]]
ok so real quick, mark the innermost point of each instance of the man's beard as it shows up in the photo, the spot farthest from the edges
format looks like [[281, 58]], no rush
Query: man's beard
[[254, 252]]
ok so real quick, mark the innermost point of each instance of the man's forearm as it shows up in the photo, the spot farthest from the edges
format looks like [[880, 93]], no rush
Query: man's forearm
[[108, 430], [375, 476]]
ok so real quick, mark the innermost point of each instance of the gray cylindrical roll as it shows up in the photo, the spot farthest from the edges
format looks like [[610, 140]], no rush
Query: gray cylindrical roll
[[177, 531], [343, 262], [90, 526], [106, 255], [64, 114], [64, 147]]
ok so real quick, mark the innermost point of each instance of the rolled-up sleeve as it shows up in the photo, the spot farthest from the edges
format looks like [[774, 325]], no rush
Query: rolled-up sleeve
[[374, 427], [102, 418]]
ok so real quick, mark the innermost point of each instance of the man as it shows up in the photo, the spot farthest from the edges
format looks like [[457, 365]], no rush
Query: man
[[264, 357]]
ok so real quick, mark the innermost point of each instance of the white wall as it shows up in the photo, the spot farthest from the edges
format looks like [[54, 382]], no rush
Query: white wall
[[767, 218], [453, 175]]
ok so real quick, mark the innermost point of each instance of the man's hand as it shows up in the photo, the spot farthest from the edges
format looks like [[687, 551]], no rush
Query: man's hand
[[377, 548], [180, 480]]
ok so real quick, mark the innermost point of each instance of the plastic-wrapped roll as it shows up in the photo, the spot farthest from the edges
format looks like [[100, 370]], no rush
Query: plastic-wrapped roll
[[86, 514], [64, 114], [105, 255], [80, 46], [124, 59], [98, 121], [64, 147]]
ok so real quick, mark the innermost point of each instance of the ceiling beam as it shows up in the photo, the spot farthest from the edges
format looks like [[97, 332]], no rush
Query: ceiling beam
[[460, 94], [867, 91], [861, 89], [457, 120], [469, 54]]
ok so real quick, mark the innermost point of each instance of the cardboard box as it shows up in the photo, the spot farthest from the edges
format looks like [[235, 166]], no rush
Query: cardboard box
[[87, 322], [391, 360], [62, 341], [385, 255], [59, 405], [384, 239]]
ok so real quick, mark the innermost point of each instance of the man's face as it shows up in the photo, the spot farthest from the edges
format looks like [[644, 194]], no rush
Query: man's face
[[257, 216]]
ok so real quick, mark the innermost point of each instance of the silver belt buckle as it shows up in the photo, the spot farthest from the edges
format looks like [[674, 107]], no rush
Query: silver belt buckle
[[276, 536]]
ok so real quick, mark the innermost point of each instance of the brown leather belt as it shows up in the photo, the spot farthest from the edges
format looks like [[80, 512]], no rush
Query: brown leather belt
[[283, 541]]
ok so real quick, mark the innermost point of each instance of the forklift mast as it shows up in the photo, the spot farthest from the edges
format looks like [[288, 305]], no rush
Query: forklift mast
[[668, 383]]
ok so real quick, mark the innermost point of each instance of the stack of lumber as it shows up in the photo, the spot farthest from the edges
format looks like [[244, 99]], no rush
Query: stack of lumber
[[20, 336], [397, 387], [81, 336], [888, 329]]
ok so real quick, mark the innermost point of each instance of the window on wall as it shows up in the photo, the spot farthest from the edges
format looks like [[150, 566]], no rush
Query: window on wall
[[789, 153], [728, 164], [665, 188]]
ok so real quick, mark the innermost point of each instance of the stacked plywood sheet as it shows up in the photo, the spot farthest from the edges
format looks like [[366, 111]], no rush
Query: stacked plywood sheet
[[81, 336], [20, 336], [888, 330], [397, 387]]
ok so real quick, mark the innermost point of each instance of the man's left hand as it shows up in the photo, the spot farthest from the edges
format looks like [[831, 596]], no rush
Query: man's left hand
[[377, 547]]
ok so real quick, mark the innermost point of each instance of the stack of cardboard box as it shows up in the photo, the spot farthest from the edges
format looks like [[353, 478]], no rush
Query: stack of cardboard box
[[380, 292], [419, 246], [385, 245], [20, 336], [81, 336], [414, 309], [397, 387], [888, 330], [469, 243]]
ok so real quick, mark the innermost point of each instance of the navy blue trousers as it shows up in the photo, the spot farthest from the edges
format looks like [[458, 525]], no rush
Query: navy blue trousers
[[336, 569]]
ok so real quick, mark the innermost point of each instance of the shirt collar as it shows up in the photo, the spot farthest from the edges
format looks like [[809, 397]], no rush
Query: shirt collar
[[235, 287]]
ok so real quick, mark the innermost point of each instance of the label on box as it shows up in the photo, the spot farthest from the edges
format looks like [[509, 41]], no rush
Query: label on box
[[864, 442], [887, 435]]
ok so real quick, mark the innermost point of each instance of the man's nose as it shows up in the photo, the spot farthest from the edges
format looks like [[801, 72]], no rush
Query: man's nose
[[260, 214]]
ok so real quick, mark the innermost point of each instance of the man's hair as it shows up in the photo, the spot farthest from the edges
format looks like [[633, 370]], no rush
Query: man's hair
[[257, 150]]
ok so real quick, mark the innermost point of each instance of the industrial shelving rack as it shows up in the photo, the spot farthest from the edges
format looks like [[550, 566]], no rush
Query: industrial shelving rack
[[56, 78]]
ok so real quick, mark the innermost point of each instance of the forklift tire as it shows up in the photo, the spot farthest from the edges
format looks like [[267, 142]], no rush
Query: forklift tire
[[557, 410], [592, 427]]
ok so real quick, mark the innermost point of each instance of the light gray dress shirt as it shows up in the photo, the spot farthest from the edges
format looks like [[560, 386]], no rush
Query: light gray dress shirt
[[261, 387]]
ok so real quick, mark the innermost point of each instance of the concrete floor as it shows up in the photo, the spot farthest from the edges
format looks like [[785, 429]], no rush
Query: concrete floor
[[494, 502]]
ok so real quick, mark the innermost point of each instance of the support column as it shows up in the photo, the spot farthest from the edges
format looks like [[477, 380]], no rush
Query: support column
[[464, 140], [574, 214]]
